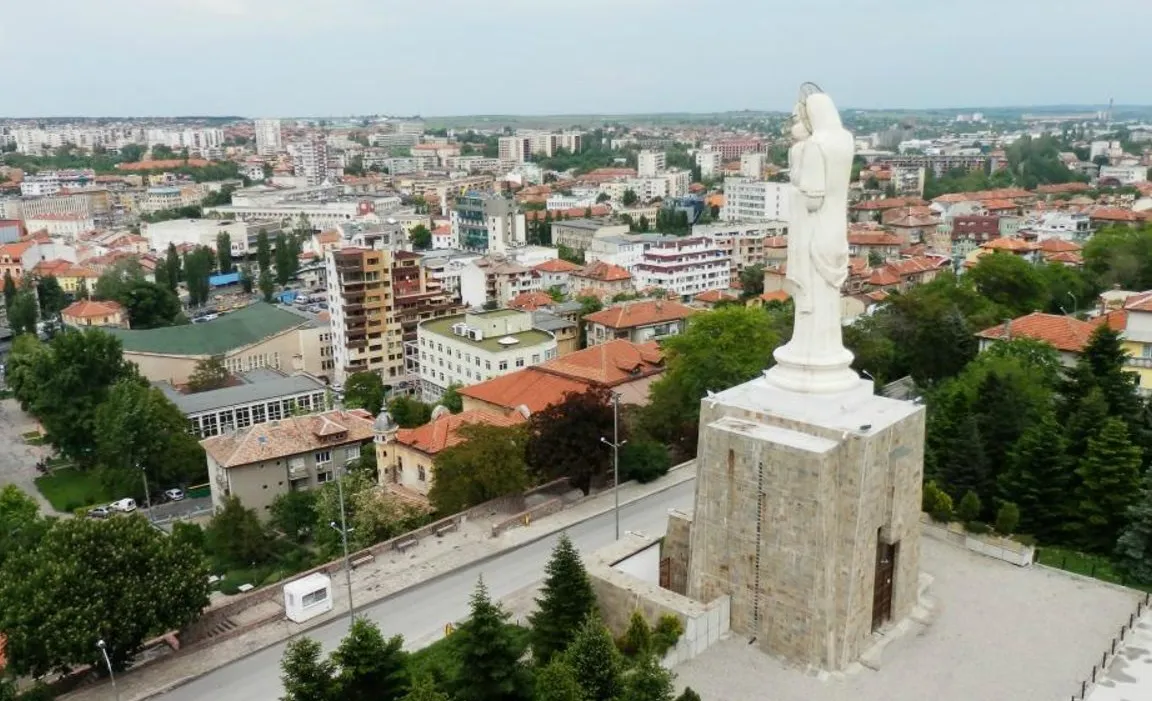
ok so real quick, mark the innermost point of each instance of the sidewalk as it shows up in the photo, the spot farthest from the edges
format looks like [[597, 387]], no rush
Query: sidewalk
[[1129, 676], [387, 575]]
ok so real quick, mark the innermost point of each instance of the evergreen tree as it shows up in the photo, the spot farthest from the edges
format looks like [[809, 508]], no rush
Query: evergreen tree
[[263, 252], [1038, 479], [371, 668], [171, 268], [566, 600], [955, 445], [424, 689], [688, 695], [266, 285], [306, 676], [556, 681], [1108, 360], [488, 655], [1110, 481], [649, 681], [10, 289], [1134, 548], [637, 639], [1084, 420], [1001, 415], [595, 660]]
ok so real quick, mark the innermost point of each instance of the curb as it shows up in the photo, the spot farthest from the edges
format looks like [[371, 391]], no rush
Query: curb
[[439, 575]]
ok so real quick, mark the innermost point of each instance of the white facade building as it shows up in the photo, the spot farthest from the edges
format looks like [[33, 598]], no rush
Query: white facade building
[[710, 163], [65, 226], [1127, 174], [268, 137], [755, 200], [514, 148], [203, 232], [686, 266], [310, 161], [52, 181], [752, 165], [650, 163], [478, 346], [495, 279]]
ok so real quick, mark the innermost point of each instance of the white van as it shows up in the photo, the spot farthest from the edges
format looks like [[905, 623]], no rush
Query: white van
[[124, 506]]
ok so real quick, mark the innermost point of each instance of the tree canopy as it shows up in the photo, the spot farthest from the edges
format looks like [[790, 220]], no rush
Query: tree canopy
[[489, 463], [564, 439]]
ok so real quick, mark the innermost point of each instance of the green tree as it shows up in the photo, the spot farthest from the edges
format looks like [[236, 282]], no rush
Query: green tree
[[954, 449], [408, 412], [118, 579], [235, 535], [266, 285], [596, 661], [488, 654], [424, 689], [688, 695], [489, 463], [1134, 547], [718, 350], [294, 513], [10, 289], [23, 313], [224, 252], [364, 390], [210, 373], [629, 198], [637, 639], [286, 261], [372, 516], [198, 267], [752, 281], [246, 282], [20, 522], [565, 600], [150, 306], [263, 251], [113, 282], [1109, 484], [1038, 478], [452, 399], [644, 460], [51, 296], [172, 269], [307, 676], [969, 508], [556, 681], [370, 667], [420, 237], [1007, 518], [559, 436], [649, 681]]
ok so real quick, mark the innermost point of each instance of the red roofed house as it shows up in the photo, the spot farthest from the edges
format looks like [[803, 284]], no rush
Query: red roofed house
[[555, 273], [601, 275], [625, 367], [638, 322], [865, 244], [1067, 334], [905, 274], [85, 313], [531, 301], [405, 456]]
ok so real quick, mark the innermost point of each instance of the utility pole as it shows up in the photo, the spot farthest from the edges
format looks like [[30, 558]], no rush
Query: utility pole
[[147, 491], [343, 530], [615, 444]]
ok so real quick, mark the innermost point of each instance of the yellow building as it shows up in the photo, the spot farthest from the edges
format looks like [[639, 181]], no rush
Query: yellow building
[[86, 313], [68, 274], [1134, 322]]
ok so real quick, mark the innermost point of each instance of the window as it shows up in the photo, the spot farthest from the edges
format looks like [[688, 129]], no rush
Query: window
[[420, 474], [323, 477], [503, 365], [520, 362], [535, 358], [487, 364], [323, 457]]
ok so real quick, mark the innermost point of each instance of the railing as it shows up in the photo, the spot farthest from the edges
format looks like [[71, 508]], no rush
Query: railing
[[1110, 652]]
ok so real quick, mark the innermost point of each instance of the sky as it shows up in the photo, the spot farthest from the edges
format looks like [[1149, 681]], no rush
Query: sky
[[459, 57]]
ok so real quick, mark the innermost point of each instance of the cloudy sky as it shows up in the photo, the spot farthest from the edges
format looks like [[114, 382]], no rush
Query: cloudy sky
[[442, 57]]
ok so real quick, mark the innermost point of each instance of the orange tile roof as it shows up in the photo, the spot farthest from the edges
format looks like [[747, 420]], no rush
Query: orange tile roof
[[1063, 188], [556, 265], [776, 296], [1057, 245], [1115, 214], [887, 203], [1064, 333], [1002, 194], [529, 387], [61, 268], [1068, 258], [883, 276], [87, 308], [1010, 245], [598, 210], [603, 271], [530, 301], [443, 432], [157, 165], [642, 313], [1141, 302], [999, 204], [279, 439], [874, 238], [713, 296], [15, 250], [609, 364]]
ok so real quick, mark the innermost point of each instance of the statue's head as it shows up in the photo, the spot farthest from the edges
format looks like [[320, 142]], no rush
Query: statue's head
[[799, 130], [821, 113]]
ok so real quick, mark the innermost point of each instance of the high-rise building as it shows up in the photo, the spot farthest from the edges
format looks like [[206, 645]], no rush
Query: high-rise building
[[311, 160], [752, 165], [419, 296], [268, 140], [487, 222], [710, 163], [650, 163], [755, 200], [514, 148], [366, 337]]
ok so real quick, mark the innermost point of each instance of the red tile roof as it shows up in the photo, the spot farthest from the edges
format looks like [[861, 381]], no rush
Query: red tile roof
[[887, 203], [556, 265], [443, 432], [1064, 333], [609, 364], [1009, 245], [983, 195], [602, 271], [528, 387], [635, 314], [874, 238], [1063, 188], [713, 296], [1056, 245], [776, 296], [530, 301], [88, 308], [1115, 214]]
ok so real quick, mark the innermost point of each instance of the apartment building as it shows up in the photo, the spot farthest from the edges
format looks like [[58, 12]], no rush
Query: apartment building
[[311, 161], [268, 137], [63, 226], [685, 267], [1125, 174], [242, 236], [514, 148], [755, 200], [477, 346], [601, 278], [284, 455], [419, 296], [366, 336], [156, 199], [752, 165], [495, 279], [744, 243], [578, 234], [50, 182], [555, 273], [487, 222], [709, 162], [732, 149], [650, 163], [939, 164]]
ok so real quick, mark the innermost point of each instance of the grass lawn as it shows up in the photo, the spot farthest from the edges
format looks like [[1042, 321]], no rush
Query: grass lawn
[[439, 659], [70, 489], [1095, 566]]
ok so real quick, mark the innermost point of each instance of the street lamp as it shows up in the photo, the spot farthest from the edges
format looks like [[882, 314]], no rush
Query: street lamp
[[615, 444], [104, 651], [343, 529], [147, 491], [1075, 302]]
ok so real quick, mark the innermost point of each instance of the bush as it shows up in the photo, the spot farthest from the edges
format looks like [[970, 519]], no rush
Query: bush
[[644, 460], [667, 634], [688, 695], [1007, 518], [1025, 539], [190, 534], [936, 503], [970, 507], [638, 638], [977, 527]]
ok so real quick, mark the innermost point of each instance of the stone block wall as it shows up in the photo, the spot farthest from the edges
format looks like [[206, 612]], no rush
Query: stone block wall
[[676, 550]]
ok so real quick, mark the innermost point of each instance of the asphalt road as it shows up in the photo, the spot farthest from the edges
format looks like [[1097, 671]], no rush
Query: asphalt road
[[419, 614]]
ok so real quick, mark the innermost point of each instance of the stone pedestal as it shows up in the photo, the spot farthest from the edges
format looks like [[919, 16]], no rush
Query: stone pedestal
[[807, 516]]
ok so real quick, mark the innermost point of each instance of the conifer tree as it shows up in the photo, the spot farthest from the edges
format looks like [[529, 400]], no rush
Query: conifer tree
[[1039, 478], [306, 675], [556, 681], [637, 639], [488, 654], [424, 689], [595, 660], [1134, 548], [565, 601], [649, 681], [1110, 482], [688, 695], [371, 668]]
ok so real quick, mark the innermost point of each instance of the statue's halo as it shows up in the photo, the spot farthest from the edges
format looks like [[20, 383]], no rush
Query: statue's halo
[[806, 91]]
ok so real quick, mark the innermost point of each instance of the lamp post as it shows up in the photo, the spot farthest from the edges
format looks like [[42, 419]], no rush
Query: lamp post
[[147, 491], [342, 529], [615, 444], [1075, 302], [104, 651]]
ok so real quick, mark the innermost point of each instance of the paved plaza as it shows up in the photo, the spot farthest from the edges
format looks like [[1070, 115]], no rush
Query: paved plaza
[[1000, 633]]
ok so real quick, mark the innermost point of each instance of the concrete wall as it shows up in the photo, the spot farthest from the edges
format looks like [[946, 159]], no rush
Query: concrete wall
[[620, 594], [644, 565], [988, 544], [676, 548]]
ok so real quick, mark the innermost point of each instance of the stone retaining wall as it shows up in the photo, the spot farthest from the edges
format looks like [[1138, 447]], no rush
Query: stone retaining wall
[[528, 516], [986, 544]]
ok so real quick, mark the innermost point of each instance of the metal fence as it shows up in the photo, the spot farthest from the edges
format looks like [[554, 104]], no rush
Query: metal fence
[[1109, 654]]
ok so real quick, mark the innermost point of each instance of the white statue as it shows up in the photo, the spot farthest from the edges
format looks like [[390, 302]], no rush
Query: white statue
[[820, 167]]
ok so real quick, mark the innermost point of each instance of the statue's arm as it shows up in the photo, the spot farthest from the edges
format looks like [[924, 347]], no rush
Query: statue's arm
[[812, 175]]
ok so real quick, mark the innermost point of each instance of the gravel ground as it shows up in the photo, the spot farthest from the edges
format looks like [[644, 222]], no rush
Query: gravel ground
[[1000, 633]]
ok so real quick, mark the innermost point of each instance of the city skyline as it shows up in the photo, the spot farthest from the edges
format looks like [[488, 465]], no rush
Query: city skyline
[[451, 57]]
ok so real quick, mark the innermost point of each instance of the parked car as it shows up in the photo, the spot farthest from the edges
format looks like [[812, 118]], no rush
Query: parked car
[[99, 512], [174, 494], [124, 506]]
